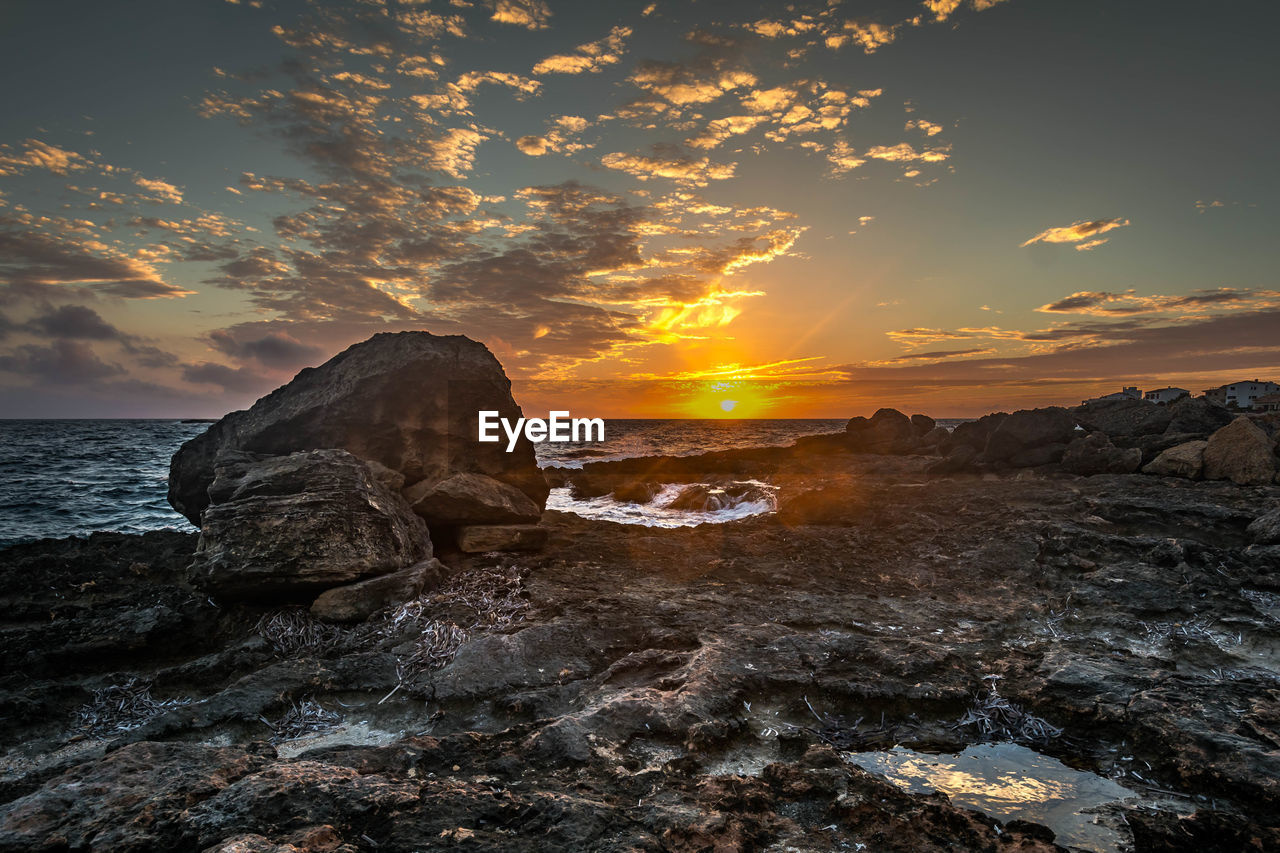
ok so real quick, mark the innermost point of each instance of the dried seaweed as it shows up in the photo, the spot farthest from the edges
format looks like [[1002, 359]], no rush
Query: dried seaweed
[[1197, 630], [302, 718], [293, 631], [999, 719], [122, 707]]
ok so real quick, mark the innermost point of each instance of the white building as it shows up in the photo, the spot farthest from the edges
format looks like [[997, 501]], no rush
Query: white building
[[1241, 395], [1129, 392], [1165, 395]]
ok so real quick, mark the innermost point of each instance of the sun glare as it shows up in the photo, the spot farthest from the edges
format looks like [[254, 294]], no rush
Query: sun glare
[[728, 405]]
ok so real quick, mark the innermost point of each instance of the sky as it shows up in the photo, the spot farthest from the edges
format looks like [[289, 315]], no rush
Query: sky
[[645, 209]]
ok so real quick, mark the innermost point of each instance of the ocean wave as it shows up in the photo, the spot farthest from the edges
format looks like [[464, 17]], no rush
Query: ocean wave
[[659, 512]]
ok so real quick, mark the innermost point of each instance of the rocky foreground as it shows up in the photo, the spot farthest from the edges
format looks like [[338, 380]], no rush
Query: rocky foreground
[[631, 688]]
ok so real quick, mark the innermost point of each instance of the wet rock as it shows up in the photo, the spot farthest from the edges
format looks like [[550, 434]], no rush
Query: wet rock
[[471, 499], [1242, 453], [1095, 454], [1197, 415], [1184, 460], [479, 538], [638, 492], [1123, 417], [584, 486], [1027, 429], [358, 601], [700, 497], [290, 525], [887, 431], [1265, 529], [407, 400]]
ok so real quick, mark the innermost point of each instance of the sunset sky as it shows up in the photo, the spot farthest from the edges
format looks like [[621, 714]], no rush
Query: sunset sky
[[642, 208]]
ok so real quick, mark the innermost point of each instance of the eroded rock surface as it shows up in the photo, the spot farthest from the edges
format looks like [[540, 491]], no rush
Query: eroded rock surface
[[692, 689]]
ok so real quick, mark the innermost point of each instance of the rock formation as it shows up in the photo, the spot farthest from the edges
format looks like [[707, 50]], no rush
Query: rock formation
[[284, 526], [1029, 430], [1242, 453], [408, 401]]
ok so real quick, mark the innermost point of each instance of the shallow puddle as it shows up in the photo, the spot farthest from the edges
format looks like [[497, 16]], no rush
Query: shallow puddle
[[1008, 781]]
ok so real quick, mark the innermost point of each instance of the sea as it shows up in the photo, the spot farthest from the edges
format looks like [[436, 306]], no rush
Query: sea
[[72, 477]]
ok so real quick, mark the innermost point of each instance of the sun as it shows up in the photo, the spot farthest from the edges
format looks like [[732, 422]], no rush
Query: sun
[[728, 405]]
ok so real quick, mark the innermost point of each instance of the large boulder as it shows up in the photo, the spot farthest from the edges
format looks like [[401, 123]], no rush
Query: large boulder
[[1095, 454], [1027, 429], [1242, 453], [286, 526], [1123, 417], [1197, 415], [471, 499], [406, 400], [1184, 460]]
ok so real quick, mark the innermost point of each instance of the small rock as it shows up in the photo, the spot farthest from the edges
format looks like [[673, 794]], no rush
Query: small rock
[[636, 492]]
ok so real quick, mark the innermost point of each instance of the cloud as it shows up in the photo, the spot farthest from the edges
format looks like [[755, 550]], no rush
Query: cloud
[[30, 258], [1106, 304], [686, 170], [276, 350], [904, 153], [41, 155], [591, 57], [236, 379], [160, 190], [1085, 230], [63, 362], [75, 321], [530, 14], [718, 130], [940, 354]]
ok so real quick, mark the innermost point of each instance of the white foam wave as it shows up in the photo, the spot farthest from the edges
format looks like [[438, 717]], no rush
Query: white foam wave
[[657, 513]]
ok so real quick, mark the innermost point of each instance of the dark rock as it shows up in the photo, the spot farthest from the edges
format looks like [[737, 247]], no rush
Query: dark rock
[[1242, 453], [923, 424], [1265, 529], [1123, 417], [297, 524], [935, 437], [1095, 454], [1197, 415], [1152, 446], [584, 486], [480, 538], [887, 431], [700, 498], [133, 799], [638, 492], [408, 401], [471, 499], [1027, 429], [1035, 457], [962, 459], [358, 601], [972, 433], [1184, 460]]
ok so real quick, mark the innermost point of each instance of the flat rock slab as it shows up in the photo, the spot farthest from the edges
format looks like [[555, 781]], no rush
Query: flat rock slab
[[358, 601], [478, 538], [471, 499]]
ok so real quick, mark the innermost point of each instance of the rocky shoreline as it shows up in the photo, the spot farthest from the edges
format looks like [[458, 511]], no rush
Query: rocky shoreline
[[1017, 583]]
